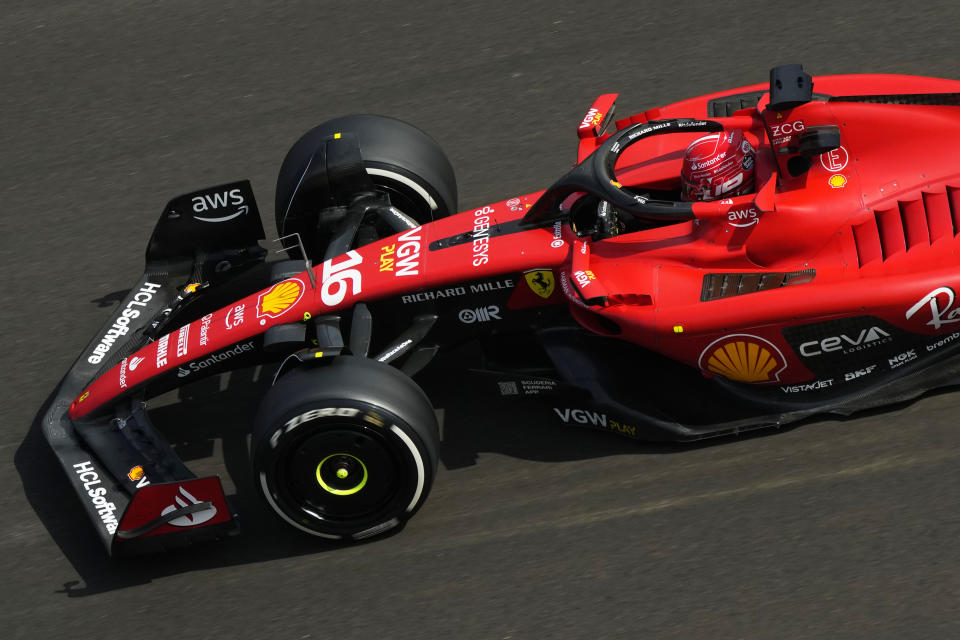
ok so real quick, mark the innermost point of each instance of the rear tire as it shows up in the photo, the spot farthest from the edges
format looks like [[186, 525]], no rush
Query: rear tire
[[345, 451], [403, 162]]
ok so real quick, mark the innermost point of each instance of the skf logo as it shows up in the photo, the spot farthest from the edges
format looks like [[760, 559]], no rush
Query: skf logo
[[280, 297], [540, 282], [593, 118], [743, 358], [859, 373], [387, 254]]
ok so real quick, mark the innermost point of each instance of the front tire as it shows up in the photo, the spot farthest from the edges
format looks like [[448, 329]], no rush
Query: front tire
[[404, 164], [345, 451]]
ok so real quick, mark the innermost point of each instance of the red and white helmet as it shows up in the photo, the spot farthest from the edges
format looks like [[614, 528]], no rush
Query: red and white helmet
[[719, 165]]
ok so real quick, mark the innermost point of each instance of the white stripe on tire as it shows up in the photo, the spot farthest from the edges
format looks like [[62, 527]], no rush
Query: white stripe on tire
[[375, 171], [416, 457], [280, 512]]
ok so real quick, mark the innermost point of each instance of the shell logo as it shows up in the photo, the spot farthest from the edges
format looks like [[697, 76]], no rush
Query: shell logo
[[135, 473], [837, 181], [743, 358], [280, 297]]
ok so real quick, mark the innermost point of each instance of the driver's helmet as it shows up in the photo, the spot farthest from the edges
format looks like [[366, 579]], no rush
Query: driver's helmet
[[719, 165]]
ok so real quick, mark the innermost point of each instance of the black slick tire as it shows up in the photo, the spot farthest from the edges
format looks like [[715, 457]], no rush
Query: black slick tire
[[345, 451], [403, 162]]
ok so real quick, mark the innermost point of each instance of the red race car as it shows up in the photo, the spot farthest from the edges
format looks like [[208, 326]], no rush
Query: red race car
[[631, 296]]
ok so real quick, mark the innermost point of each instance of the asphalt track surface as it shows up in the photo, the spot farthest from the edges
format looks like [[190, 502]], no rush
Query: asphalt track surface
[[832, 529]]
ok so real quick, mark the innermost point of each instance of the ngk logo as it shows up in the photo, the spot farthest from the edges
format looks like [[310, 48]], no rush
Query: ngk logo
[[902, 358]]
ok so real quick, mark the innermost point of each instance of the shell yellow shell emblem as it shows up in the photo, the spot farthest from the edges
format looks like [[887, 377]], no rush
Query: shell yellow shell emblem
[[837, 181], [541, 282], [743, 358], [280, 297]]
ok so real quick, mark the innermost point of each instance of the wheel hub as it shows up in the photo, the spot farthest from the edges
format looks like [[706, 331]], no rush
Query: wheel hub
[[342, 474]]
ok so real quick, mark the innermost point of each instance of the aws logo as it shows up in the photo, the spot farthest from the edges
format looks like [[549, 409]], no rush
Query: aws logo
[[277, 299], [216, 201], [743, 217], [743, 358]]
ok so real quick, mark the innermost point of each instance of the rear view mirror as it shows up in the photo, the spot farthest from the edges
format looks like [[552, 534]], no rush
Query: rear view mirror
[[818, 140], [813, 142]]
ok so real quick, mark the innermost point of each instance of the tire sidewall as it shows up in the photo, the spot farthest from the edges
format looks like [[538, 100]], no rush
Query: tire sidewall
[[385, 143], [391, 410]]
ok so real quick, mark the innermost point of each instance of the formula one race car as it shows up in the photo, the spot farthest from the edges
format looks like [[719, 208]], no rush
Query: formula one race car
[[828, 289]]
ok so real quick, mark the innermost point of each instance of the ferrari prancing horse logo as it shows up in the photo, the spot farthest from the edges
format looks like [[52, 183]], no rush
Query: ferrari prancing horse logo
[[540, 282]]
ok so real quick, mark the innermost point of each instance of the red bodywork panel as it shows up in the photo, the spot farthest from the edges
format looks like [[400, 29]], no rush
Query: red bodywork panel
[[389, 268], [870, 230]]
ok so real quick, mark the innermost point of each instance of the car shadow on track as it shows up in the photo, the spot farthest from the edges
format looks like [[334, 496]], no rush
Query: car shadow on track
[[192, 426], [208, 424]]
